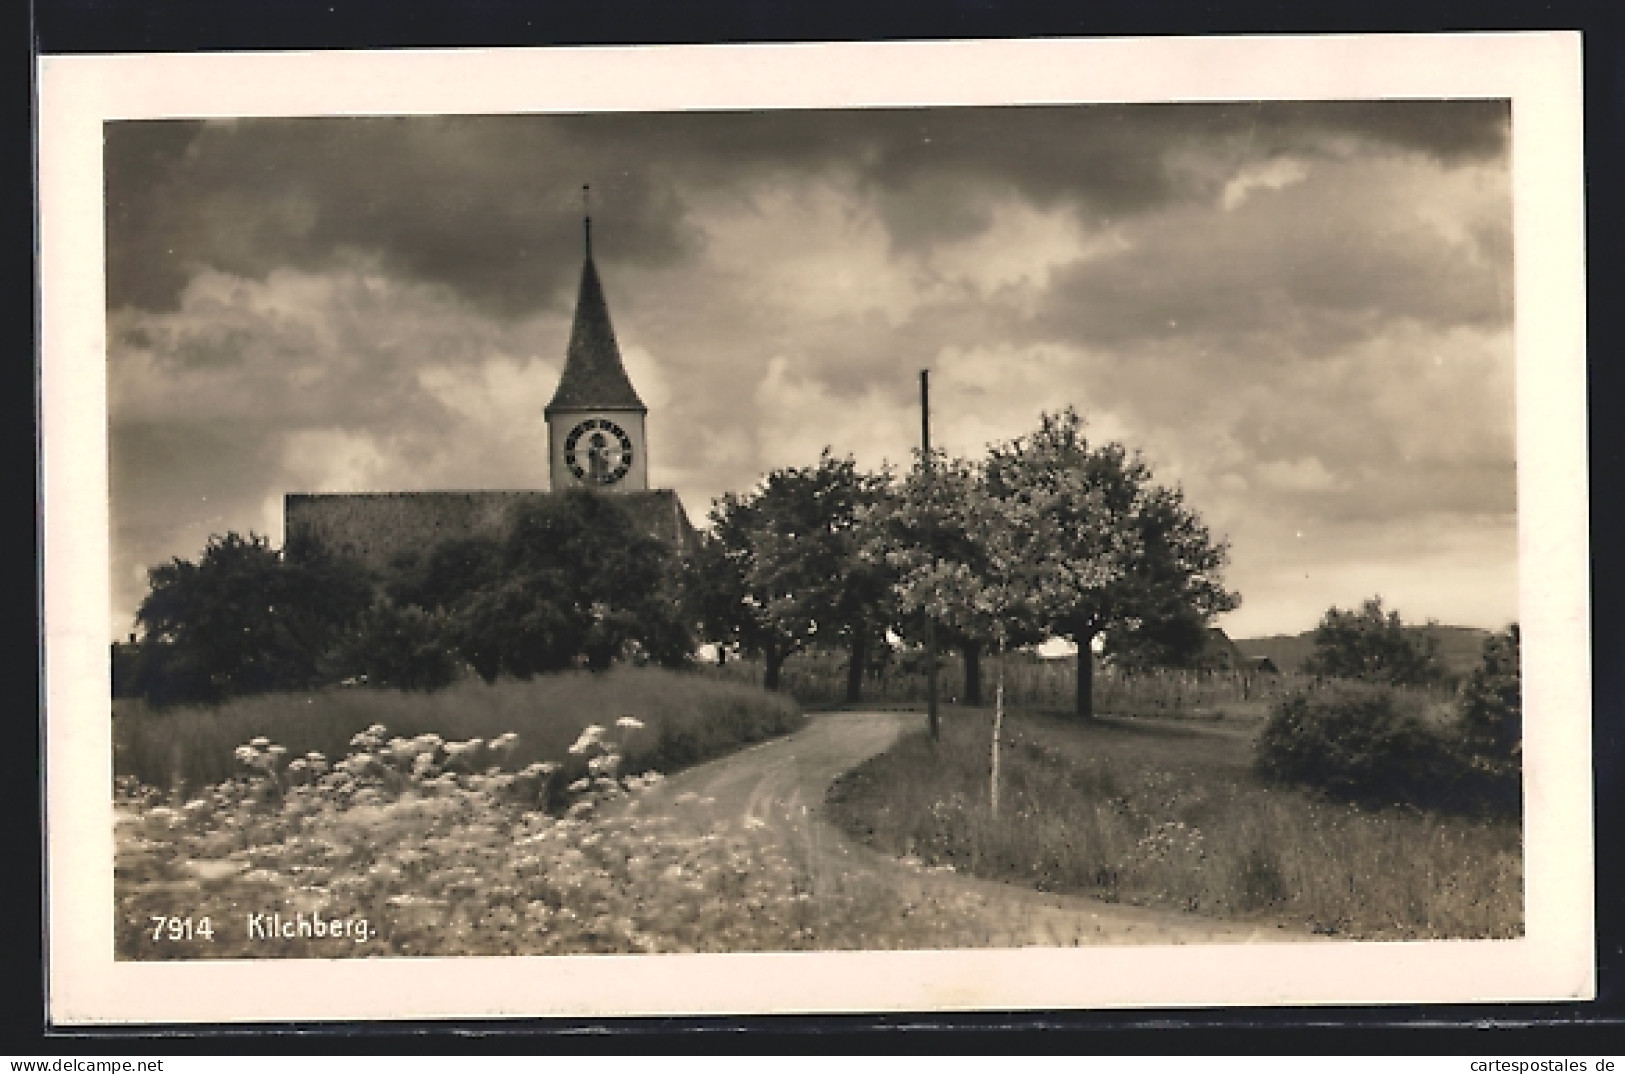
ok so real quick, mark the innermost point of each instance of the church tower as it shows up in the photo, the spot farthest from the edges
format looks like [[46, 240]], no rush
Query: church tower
[[595, 422], [594, 440]]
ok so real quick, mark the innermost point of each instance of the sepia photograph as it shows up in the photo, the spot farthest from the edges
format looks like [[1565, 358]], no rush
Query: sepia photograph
[[1106, 531]]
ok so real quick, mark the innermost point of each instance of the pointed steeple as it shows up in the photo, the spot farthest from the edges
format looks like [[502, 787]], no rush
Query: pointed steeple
[[593, 378]]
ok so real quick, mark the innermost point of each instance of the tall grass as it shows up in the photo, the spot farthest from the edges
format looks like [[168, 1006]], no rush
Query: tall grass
[[1172, 816], [819, 678], [688, 718]]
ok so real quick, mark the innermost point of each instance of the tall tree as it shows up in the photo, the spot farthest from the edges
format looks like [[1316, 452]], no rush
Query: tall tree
[[969, 561], [438, 579], [935, 516], [574, 581], [788, 569], [578, 581], [245, 618], [1372, 644], [1115, 555]]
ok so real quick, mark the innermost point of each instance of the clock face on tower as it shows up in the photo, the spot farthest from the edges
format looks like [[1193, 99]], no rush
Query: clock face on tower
[[598, 452]]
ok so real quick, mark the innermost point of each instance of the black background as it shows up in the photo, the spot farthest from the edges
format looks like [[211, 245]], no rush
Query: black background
[[104, 26]]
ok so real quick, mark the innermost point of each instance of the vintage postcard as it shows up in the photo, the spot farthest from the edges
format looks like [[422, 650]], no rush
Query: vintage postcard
[[815, 528]]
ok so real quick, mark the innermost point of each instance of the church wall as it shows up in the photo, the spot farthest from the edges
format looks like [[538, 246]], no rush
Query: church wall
[[377, 527]]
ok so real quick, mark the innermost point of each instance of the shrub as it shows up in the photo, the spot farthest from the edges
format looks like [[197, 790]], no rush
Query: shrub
[[1363, 745], [1491, 721], [1492, 701]]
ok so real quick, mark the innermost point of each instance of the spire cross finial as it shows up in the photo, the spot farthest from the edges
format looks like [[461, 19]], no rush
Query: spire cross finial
[[586, 213]]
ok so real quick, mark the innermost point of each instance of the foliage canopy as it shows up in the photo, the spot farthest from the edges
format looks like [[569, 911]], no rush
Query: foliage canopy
[[245, 618], [1373, 645]]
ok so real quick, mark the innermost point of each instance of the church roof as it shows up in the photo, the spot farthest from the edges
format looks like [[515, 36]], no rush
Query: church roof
[[594, 378]]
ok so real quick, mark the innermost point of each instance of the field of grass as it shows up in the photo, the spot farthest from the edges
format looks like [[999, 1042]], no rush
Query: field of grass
[[688, 718], [1168, 814]]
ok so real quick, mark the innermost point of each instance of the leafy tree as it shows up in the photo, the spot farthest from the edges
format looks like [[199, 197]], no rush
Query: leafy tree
[[785, 570], [1492, 704], [1373, 645], [245, 618], [575, 580], [941, 537], [734, 609], [1175, 642], [971, 568], [396, 647], [522, 626], [439, 579], [714, 594], [1110, 554]]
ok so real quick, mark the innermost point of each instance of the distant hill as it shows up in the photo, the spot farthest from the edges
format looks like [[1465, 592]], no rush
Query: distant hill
[[1460, 648]]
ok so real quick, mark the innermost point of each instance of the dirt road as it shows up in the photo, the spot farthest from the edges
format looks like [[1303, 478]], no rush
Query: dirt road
[[779, 786]]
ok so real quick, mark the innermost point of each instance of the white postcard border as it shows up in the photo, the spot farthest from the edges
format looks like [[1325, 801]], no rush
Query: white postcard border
[[1539, 72]]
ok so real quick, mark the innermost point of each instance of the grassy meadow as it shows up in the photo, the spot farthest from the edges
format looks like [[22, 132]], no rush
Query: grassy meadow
[[688, 718], [1168, 814]]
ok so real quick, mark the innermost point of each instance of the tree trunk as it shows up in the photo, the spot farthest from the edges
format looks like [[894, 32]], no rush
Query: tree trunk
[[998, 729], [775, 661], [971, 651], [854, 668], [1086, 677]]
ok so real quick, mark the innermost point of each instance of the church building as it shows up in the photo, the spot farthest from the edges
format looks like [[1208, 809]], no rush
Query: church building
[[595, 440]]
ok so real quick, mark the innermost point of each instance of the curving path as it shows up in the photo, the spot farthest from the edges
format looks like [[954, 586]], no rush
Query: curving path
[[779, 786]]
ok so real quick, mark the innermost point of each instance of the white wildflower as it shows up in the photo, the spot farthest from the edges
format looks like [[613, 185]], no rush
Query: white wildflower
[[591, 735]]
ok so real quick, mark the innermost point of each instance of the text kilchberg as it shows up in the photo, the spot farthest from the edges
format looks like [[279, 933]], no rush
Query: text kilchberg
[[300, 926]]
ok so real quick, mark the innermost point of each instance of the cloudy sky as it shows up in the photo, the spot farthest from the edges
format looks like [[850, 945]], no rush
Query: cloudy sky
[[1300, 313]]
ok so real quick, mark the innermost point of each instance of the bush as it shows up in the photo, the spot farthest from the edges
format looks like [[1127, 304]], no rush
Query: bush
[[1491, 721], [1492, 701], [1361, 745]]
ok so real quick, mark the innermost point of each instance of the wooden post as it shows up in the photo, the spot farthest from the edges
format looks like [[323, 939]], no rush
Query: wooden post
[[932, 719], [998, 728]]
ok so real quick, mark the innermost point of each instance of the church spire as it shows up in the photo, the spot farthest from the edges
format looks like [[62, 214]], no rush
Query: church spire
[[586, 216], [593, 378]]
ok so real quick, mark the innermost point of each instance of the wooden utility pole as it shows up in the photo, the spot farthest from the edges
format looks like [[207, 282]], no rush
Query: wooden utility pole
[[930, 536]]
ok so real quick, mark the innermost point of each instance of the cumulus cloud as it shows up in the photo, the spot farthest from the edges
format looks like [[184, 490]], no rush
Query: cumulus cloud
[[1300, 312]]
